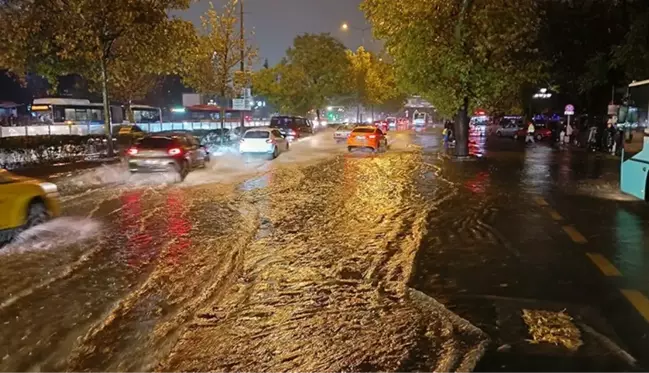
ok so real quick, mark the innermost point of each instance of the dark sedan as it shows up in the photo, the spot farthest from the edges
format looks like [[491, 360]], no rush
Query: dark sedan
[[159, 153]]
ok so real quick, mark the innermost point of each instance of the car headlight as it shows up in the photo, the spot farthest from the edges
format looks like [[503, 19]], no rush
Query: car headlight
[[50, 189]]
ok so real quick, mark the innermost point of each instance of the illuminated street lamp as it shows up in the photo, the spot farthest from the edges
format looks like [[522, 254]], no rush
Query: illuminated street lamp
[[542, 93]]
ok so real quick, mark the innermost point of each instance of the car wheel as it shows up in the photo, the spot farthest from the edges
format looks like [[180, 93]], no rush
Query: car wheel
[[539, 137], [287, 146], [36, 214], [515, 136], [183, 170], [499, 134], [350, 149], [275, 153]]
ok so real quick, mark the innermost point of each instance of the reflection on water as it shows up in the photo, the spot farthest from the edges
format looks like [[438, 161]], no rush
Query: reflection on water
[[629, 242], [138, 239], [536, 169], [179, 226]]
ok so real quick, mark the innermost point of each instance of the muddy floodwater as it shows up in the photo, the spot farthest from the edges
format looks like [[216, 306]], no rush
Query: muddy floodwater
[[301, 263]]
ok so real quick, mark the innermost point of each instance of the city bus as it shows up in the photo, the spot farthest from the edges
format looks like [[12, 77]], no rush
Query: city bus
[[632, 115], [80, 111], [71, 111]]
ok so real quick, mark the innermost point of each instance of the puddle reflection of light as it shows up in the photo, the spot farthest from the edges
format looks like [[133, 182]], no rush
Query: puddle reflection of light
[[138, 240], [629, 242], [477, 148], [479, 183], [178, 226], [536, 170]]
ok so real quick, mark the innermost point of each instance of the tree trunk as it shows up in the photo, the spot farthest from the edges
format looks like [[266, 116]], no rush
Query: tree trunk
[[317, 114], [462, 130], [222, 134], [358, 113], [107, 116], [129, 112]]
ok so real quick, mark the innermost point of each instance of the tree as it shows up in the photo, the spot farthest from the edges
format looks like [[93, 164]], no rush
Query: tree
[[632, 51], [459, 54], [314, 70], [212, 67], [99, 38], [371, 80]]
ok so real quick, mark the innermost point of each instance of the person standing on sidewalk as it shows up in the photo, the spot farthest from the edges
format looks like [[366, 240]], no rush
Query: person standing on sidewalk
[[569, 133], [530, 133]]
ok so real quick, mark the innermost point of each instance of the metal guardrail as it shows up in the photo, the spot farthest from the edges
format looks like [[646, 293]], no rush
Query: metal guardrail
[[98, 129]]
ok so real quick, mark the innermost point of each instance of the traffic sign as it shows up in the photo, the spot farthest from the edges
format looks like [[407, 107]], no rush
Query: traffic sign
[[569, 110], [240, 104]]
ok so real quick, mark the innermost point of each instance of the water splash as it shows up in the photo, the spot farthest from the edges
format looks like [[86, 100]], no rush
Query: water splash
[[58, 232]]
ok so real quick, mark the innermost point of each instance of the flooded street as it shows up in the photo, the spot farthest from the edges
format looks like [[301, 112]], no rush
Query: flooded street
[[322, 260]]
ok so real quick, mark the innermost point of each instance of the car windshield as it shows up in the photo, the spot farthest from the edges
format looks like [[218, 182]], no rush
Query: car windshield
[[155, 143], [257, 135], [345, 128], [364, 130]]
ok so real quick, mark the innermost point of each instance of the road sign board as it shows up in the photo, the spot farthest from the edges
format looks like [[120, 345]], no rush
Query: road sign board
[[240, 104], [569, 110]]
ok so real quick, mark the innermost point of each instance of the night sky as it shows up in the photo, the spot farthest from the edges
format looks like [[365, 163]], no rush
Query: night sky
[[277, 22]]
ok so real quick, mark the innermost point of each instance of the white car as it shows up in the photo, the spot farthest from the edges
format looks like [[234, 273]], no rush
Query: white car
[[263, 141], [342, 132]]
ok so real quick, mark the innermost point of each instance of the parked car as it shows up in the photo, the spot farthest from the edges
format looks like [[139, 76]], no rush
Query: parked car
[[368, 137], [292, 127], [268, 141], [24, 202], [165, 152]]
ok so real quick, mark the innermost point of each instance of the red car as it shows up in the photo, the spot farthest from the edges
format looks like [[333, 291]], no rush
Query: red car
[[540, 133], [382, 125]]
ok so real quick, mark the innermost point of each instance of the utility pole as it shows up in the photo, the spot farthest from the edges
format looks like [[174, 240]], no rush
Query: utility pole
[[242, 66]]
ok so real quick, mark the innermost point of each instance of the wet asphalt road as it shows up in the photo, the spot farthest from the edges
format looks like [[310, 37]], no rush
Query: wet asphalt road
[[315, 261]]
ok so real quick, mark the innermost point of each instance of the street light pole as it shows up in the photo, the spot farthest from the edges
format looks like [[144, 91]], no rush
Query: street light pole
[[345, 26], [242, 56]]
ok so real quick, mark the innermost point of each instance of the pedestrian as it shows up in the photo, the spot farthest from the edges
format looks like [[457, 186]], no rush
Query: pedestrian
[[569, 133], [530, 133], [445, 134]]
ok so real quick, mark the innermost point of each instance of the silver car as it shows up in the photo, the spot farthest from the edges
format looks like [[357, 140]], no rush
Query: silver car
[[342, 132], [508, 129]]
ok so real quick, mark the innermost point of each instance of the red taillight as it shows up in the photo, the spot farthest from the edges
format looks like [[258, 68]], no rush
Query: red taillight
[[132, 151], [292, 132], [174, 151]]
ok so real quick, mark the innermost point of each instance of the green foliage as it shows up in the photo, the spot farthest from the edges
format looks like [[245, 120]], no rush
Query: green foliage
[[371, 80], [632, 52], [314, 70], [212, 64], [451, 50]]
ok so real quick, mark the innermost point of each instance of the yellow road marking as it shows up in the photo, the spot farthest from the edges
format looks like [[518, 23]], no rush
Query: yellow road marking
[[540, 201], [574, 234], [638, 300], [555, 215], [607, 268]]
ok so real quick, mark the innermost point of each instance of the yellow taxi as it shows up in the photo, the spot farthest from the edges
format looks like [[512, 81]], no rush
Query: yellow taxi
[[24, 203], [368, 137]]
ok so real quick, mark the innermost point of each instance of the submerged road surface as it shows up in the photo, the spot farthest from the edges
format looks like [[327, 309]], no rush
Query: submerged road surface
[[323, 260]]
